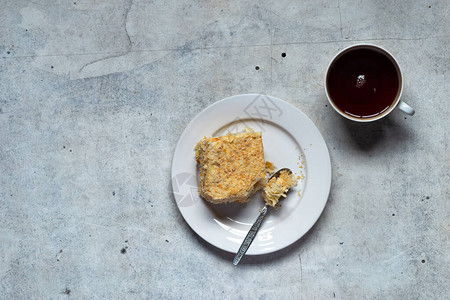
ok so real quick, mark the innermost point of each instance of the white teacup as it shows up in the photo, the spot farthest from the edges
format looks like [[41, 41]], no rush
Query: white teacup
[[364, 83]]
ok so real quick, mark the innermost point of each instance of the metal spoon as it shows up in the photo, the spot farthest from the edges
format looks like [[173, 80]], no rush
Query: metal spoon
[[254, 230]]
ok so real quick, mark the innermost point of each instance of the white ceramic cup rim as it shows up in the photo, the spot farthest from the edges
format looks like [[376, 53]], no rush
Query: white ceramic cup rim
[[396, 65]]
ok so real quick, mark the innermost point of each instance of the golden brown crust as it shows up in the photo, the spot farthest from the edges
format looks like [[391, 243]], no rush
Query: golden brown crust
[[232, 167]]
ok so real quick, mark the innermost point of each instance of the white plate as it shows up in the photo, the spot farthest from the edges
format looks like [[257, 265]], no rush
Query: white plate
[[290, 139]]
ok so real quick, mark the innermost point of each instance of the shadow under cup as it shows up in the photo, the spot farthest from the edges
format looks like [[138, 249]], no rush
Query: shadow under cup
[[364, 83]]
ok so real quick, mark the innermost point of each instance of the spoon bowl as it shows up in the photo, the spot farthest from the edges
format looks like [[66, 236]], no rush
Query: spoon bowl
[[277, 173]]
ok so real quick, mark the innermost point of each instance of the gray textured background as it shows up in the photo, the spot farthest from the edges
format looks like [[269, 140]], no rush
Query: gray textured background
[[95, 94]]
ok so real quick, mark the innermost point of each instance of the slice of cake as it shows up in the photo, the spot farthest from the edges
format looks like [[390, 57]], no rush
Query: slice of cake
[[232, 167]]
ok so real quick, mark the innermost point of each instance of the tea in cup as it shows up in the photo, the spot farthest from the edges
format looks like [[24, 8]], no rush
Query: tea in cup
[[364, 83]]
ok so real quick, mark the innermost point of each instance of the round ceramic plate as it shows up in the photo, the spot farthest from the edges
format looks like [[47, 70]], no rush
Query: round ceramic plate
[[290, 140]]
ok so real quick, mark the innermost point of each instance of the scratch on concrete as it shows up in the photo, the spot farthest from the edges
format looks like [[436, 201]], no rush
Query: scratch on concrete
[[129, 44], [130, 4], [340, 18], [120, 53], [271, 60], [301, 275], [100, 59]]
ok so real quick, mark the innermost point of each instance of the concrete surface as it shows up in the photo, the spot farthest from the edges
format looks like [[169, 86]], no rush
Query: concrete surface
[[95, 94]]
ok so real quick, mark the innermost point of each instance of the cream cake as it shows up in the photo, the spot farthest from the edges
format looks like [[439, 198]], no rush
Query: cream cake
[[231, 167]]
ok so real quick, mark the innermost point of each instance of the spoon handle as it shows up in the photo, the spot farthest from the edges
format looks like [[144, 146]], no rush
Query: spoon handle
[[250, 236]]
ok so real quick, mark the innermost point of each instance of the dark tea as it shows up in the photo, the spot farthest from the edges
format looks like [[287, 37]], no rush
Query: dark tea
[[363, 83]]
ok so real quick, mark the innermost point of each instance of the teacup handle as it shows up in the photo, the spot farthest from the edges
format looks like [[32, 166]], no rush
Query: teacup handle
[[406, 108]]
